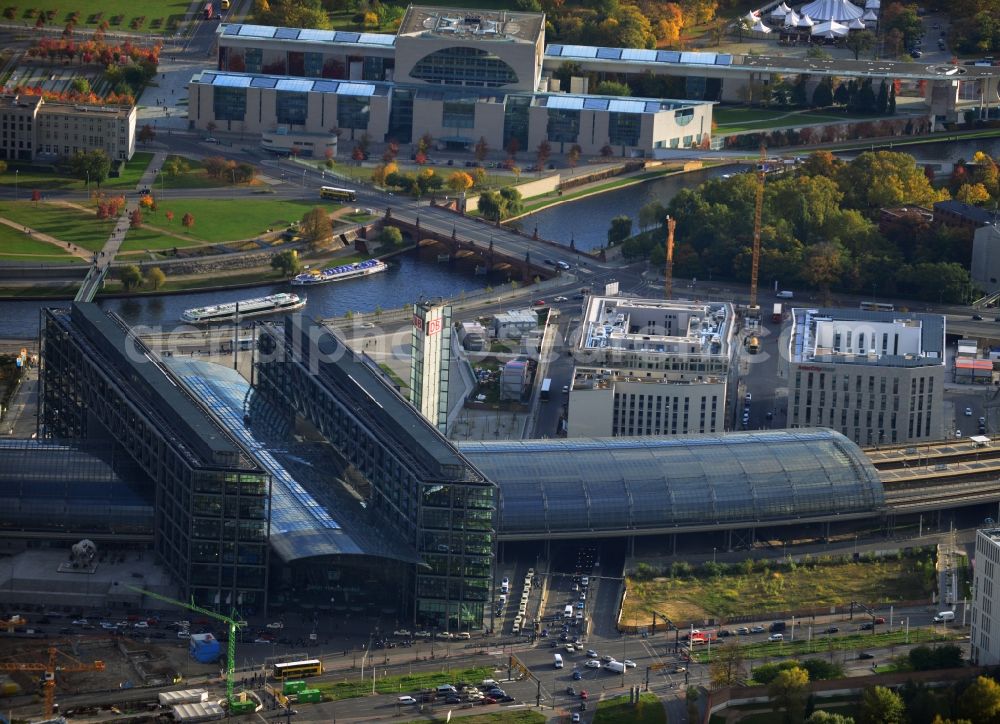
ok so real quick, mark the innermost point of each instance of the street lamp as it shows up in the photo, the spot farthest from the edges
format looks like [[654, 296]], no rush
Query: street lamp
[[16, 174]]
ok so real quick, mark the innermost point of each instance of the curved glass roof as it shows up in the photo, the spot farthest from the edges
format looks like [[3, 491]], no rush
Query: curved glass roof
[[622, 485]]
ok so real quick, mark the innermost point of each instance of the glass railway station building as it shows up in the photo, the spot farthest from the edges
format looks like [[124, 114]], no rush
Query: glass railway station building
[[320, 485], [458, 75]]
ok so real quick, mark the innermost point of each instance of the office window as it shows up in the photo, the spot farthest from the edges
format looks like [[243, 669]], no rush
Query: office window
[[353, 112], [624, 129], [229, 104], [291, 107], [459, 113], [563, 126], [464, 66]]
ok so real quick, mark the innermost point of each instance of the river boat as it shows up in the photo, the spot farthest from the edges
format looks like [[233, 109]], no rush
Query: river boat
[[270, 304], [340, 273]]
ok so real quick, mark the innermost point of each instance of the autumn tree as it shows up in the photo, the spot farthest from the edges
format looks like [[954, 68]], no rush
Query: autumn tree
[[573, 155], [187, 220], [36, 195], [170, 216], [130, 276], [788, 692], [155, 278], [146, 134], [316, 226], [728, 666], [459, 181], [542, 154], [881, 705], [135, 219], [482, 149], [973, 194], [981, 701]]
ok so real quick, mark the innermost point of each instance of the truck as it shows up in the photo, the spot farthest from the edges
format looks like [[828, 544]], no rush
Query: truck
[[209, 11], [776, 313], [546, 391], [615, 667], [753, 345]]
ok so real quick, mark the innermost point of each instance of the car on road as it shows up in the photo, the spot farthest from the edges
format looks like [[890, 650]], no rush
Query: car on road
[[107, 626], [276, 625], [405, 633], [583, 694], [679, 670], [80, 622], [406, 700], [831, 630], [607, 659], [368, 325], [577, 296], [975, 317], [570, 691], [453, 699], [579, 614], [866, 626], [141, 624], [747, 398], [580, 604], [629, 664], [593, 664], [958, 433], [577, 676], [742, 631], [916, 54], [756, 629], [575, 717], [879, 619], [968, 412], [866, 655], [422, 634], [591, 654], [560, 299], [550, 262], [539, 302], [776, 637], [209, 139]]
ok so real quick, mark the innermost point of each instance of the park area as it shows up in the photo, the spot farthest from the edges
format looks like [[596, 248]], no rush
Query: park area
[[737, 120], [120, 15], [15, 245], [722, 591]]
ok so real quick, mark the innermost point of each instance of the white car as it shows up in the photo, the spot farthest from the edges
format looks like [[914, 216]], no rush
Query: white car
[[422, 634], [406, 700], [593, 664], [107, 626], [560, 299], [776, 637], [276, 625], [405, 633], [968, 412], [141, 624], [81, 622], [579, 614], [628, 664]]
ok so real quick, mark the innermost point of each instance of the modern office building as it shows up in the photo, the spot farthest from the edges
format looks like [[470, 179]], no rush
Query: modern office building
[[986, 258], [33, 128], [650, 367], [984, 641], [877, 377], [430, 361], [413, 479], [100, 384], [457, 75]]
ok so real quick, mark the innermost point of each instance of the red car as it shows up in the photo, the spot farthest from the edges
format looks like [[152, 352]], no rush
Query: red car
[[539, 302], [880, 619], [583, 694]]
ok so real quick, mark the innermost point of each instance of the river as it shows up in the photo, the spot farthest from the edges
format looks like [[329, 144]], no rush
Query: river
[[407, 280]]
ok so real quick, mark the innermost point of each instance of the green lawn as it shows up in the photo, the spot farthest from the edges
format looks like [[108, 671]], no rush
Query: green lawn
[[195, 178], [26, 181], [760, 588], [824, 644], [16, 246], [231, 219], [144, 238], [62, 223], [160, 17], [406, 684], [734, 120], [649, 710]]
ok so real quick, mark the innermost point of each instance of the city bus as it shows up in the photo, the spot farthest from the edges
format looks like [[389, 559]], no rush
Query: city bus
[[296, 669], [877, 307], [331, 192], [546, 389]]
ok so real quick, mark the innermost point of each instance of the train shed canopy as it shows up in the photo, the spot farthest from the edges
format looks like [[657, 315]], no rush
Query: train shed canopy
[[652, 485]]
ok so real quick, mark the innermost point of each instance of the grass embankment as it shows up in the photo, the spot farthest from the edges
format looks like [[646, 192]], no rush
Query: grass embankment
[[823, 644], [60, 222], [722, 591], [122, 15], [28, 180], [217, 220], [15, 245], [406, 684], [649, 710], [735, 120]]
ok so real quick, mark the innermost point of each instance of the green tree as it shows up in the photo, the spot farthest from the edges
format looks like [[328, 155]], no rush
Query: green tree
[[788, 692], [93, 165], [390, 236], [882, 102], [612, 88], [824, 264], [286, 262], [315, 226], [946, 656], [155, 277], [881, 705], [823, 95], [820, 669], [981, 701], [826, 717], [491, 205], [902, 18], [860, 42], [652, 214], [292, 14], [131, 276], [621, 229], [482, 149], [80, 85], [878, 179], [513, 203]]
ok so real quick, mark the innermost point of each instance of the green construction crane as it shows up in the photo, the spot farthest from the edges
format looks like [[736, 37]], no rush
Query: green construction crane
[[234, 625]]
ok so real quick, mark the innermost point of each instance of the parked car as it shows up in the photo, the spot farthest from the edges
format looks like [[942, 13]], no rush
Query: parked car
[[577, 676], [757, 629], [831, 630], [591, 654], [593, 664]]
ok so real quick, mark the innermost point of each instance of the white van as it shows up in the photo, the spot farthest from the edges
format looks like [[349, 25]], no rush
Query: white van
[[784, 294], [944, 616], [557, 661], [568, 612]]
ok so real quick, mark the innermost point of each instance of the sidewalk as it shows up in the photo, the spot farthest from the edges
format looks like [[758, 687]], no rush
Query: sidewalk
[[20, 421], [114, 242]]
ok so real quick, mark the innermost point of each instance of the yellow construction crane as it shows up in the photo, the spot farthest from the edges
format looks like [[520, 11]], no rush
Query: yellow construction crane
[[236, 705], [49, 670], [754, 310], [13, 622], [669, 285]]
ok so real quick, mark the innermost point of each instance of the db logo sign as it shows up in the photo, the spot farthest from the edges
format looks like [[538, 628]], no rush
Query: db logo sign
[[433, 327]]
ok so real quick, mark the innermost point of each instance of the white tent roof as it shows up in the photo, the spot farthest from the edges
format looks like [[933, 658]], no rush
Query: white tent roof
[[830, 29], [873, 5], [870, 16], [805, 22], [839, 10], [761, 28], [856, 24], [785, 8], [791, 20], [751, 17], [778, 12]]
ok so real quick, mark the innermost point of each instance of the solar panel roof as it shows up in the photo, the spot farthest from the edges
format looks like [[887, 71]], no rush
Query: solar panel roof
[[640, 55], [314, 35]]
